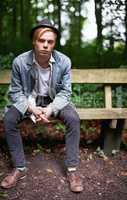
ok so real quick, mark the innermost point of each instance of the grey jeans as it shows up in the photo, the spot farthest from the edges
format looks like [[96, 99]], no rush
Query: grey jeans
[[72, 123]]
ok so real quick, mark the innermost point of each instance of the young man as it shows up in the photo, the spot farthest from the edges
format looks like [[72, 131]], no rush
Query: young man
[[41, 87]]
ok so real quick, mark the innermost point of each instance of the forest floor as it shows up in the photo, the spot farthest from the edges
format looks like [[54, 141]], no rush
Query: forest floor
[[104, 178]]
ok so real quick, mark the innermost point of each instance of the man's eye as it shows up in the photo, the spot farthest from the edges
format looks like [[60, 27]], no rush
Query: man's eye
[[41, 41], [50, 41]]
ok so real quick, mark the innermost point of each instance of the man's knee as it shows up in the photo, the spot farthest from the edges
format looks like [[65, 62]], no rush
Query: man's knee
[[75, 118], [11, 117], [71, 115]]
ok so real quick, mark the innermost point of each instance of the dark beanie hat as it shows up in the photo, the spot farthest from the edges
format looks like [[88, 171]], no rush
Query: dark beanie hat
[[43, 24]]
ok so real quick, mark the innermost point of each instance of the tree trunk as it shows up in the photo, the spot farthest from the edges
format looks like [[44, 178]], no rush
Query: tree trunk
[[79, 24], [36, 11], [14, 20], [125, 49], [59, 21], [22, 18], [98, 15], [27, 16], [111, 39]]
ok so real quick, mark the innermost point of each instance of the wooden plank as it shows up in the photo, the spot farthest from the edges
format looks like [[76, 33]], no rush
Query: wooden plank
[[5, 76], [108, 96], [113, 123], [102, 113], [99, 76], [96, 113], [105, 76]]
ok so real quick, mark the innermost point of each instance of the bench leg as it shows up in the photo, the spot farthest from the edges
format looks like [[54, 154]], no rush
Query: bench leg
[[111, 142], [112, 139]]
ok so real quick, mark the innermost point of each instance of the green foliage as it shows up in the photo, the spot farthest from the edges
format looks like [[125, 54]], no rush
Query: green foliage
[[6, 61], [40, 130], [60, 127], [83, 95], [92, 96], [3, 195], [88, 95], [119, 95], [87, 57], [17, 18], [3, 91]]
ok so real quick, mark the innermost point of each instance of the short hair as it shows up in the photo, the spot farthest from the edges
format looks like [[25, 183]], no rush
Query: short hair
[[40, 31]]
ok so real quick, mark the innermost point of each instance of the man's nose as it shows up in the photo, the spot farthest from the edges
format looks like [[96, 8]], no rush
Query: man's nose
[[45, 44]]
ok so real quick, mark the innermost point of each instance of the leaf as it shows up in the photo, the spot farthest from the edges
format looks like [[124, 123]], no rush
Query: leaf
[[50, 171], [123, 173], [90, 157], [101, 153]]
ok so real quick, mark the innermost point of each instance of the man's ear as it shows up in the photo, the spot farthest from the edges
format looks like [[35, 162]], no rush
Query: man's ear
[[33, 43]]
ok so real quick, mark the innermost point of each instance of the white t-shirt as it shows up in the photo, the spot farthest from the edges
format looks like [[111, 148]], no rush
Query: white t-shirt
[[43, 81], [44, 75]]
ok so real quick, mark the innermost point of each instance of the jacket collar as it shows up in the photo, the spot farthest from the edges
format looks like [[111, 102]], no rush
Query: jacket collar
[[31, 58]]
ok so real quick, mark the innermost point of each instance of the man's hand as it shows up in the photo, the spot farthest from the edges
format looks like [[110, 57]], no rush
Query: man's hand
[[35, 110], [39, 113], [48, 111], [42, 118]]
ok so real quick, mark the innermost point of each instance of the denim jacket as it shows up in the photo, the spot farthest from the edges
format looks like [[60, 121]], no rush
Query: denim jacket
[[24, 77]]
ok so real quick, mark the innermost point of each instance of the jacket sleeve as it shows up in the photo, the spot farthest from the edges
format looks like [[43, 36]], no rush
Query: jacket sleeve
[[16, 93], [62, 98]]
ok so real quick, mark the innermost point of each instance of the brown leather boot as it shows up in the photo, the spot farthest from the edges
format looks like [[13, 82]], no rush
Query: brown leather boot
[[74, 180], [12, 178]]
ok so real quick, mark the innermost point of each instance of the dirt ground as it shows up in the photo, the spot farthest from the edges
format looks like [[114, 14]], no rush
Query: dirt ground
[[103, 178]]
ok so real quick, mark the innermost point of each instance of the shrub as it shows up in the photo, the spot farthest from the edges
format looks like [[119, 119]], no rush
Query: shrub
[[6, 61]]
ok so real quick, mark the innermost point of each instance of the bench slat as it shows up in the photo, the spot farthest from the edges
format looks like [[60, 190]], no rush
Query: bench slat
[[106, 76], [108, 96], [95, 113], [91, 76], [102, 113], [5, 76]]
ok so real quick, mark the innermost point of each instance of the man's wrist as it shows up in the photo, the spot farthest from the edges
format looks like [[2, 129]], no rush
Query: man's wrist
[[30, 109], [49, 111]]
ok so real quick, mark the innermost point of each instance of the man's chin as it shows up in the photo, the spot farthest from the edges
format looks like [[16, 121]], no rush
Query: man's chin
[[47, 54]]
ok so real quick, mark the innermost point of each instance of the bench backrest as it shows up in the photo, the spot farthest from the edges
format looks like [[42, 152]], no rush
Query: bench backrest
[[108, 77]]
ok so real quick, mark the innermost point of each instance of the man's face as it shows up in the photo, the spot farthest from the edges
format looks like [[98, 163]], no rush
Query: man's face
[[44, 45]]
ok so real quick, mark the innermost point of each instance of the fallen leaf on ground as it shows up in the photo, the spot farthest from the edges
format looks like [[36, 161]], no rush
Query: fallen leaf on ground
[[123, 173], [49, 171]]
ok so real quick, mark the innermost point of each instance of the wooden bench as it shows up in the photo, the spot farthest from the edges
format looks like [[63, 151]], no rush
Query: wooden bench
[[107, 77]]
